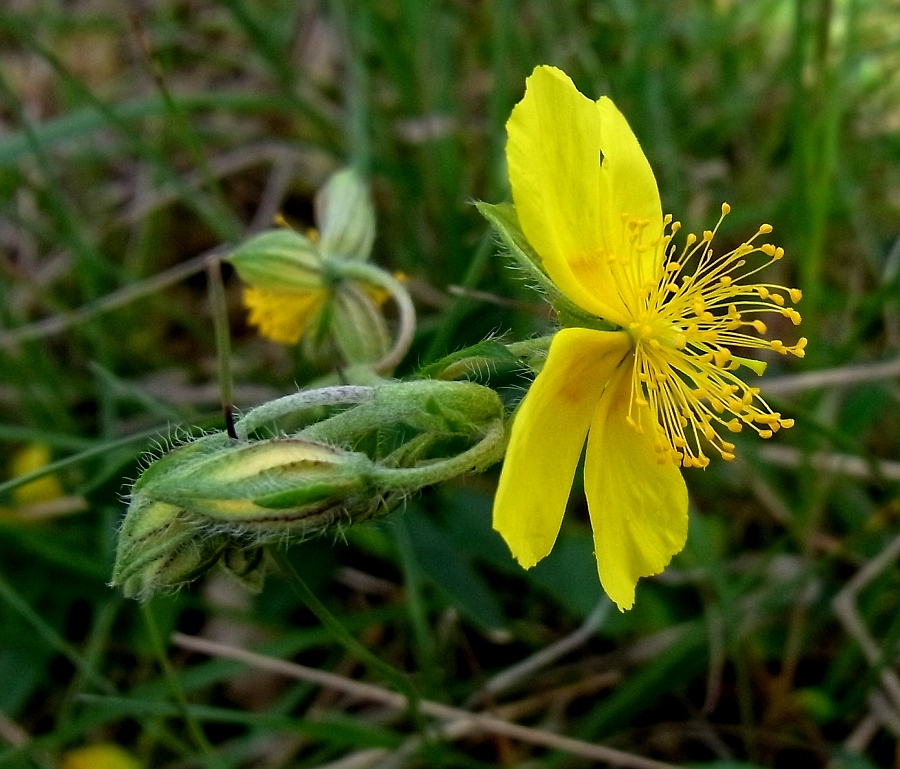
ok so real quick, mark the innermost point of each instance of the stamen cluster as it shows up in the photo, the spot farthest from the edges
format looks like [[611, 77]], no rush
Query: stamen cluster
[[684, 324]]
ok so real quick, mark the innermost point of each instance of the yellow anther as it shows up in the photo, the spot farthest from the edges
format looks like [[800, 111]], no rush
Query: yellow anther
[[799, 349], [763, 292], [707, 235], [765, 433], [778, 299], [673, 267], [708, 431], [779, 252], [675, 227], [641, 401], [722, 357], [727, 456], [679, 442], [778, 346], [725, 280], [701, 461], [764, 229], [726, 209], [667, 220], [728, 446], [768, 249], [690, 239], [786, 423], [796, 294], [680, 341]]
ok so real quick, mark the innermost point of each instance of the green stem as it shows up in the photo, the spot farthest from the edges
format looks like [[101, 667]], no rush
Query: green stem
[[43, 629], [345, 639], [223, 342], [177, 691], [291, 404], [375, 276], [483, 454]]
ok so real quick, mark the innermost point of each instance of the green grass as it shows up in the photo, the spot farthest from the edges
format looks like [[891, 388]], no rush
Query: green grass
[[131, 144]]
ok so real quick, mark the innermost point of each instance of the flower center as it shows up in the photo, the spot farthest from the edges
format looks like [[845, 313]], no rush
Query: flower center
[[684, 389]]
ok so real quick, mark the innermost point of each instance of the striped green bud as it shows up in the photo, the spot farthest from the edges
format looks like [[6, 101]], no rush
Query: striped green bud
[[279, 260], [222, 500]]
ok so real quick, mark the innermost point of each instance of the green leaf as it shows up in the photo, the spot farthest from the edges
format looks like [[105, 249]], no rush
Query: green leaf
[[486, 356], [440, 557]]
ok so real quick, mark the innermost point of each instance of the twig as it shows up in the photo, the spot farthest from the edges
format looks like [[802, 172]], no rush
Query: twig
[[841, 464], [527, 667], [125, 295], [832, 377], [362, 759], [391, 699], [12, 733], [844, 605]]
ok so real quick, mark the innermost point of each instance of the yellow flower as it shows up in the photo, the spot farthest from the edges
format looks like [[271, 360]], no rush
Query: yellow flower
[[29, 459], [103, 755], [650, 396], [284, 316], [318, 287]]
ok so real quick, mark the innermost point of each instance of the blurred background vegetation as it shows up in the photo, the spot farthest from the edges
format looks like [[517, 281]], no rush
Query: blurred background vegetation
[[134, 137]]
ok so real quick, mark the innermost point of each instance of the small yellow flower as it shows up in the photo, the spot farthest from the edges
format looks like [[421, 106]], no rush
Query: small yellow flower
[[103, 755], [27, 460], [284, 316], [298, 286], [650, 396]]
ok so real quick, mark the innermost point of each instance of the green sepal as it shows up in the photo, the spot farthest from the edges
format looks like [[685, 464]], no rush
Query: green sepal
[[345, 216], [485, 357], [505, 221], [358, 327], [279, 260]]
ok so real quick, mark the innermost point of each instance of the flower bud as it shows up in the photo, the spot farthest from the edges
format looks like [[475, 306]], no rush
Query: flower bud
[[279, 260], [345, 217], [215, 499], [358, 326]]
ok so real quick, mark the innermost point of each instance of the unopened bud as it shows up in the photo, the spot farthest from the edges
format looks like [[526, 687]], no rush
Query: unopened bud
[[280, 261], [213, 499], [345, 217], [358, 326]]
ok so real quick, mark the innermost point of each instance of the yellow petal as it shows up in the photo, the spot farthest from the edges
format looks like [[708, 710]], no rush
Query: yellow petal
[[547, 438], [576, 169], [638, 507], [553, 153], [629, 188], [283, 316]]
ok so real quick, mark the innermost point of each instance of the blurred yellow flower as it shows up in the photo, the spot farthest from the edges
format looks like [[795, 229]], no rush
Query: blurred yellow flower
[[104, 755], [284, 316], [648, 397], [27, 460]]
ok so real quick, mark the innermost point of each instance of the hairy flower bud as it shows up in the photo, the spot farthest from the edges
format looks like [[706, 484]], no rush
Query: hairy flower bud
[[216, 499], [222, 500]]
